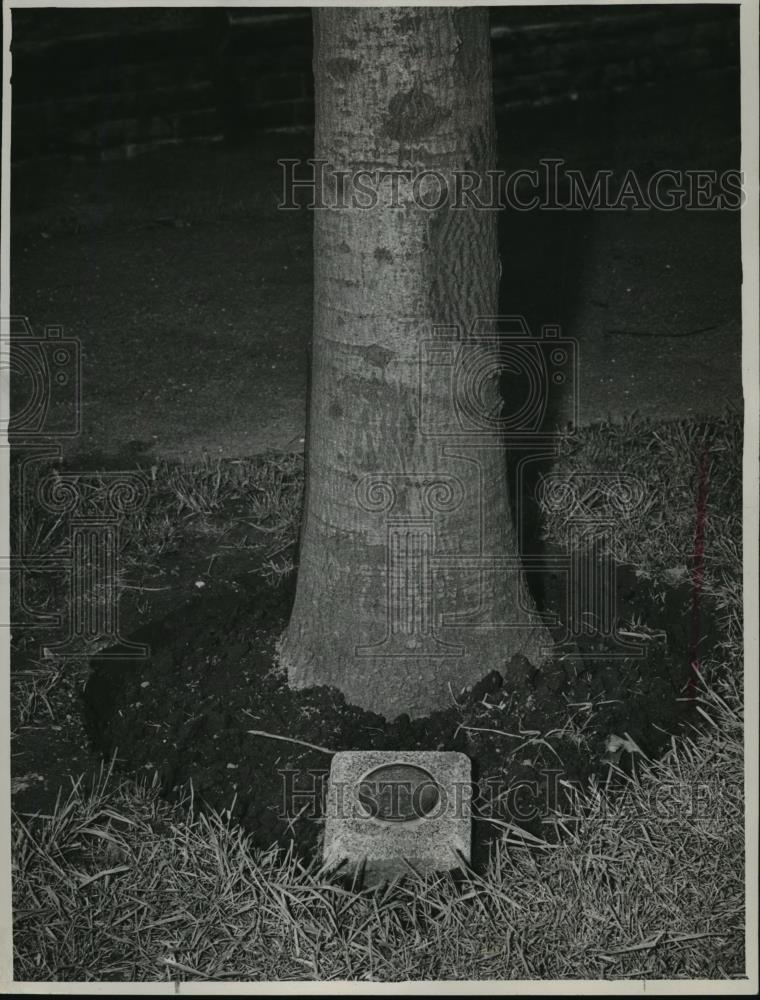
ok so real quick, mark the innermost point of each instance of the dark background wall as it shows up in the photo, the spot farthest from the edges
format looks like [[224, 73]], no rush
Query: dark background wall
[[100, 83]]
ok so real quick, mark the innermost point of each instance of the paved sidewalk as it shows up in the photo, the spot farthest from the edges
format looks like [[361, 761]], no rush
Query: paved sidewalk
[[191, 293]]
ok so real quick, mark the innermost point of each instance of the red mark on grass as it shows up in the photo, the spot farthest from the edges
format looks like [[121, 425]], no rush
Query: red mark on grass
[[697, 575]]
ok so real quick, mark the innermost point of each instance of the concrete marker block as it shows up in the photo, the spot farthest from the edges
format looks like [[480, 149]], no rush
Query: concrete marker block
[[389, 810]]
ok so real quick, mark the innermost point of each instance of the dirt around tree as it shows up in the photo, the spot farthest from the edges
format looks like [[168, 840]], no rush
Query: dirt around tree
[[186, 714]]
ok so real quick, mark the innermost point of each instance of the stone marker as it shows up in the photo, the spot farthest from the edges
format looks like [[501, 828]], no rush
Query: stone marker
[[388, 810]]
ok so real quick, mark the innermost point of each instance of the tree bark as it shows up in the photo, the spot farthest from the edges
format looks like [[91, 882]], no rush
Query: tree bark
[[397, 604]]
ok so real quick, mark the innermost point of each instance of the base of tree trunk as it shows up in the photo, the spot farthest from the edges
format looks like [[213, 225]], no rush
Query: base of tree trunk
[[391, 671]]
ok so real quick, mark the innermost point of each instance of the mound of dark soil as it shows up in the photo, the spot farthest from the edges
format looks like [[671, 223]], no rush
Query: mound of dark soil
[[186, 713]]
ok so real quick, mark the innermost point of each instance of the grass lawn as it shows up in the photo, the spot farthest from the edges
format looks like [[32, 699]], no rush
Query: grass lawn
[[643, 880]]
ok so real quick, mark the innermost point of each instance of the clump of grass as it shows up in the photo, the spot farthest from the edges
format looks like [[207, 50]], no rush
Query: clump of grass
[[275, 495], [196, 489], [154, 531], [265, 491], [276, 569], [269, 485], [31, 690]]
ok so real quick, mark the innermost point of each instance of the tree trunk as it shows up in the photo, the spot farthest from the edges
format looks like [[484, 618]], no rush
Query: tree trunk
[[400, 601]]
